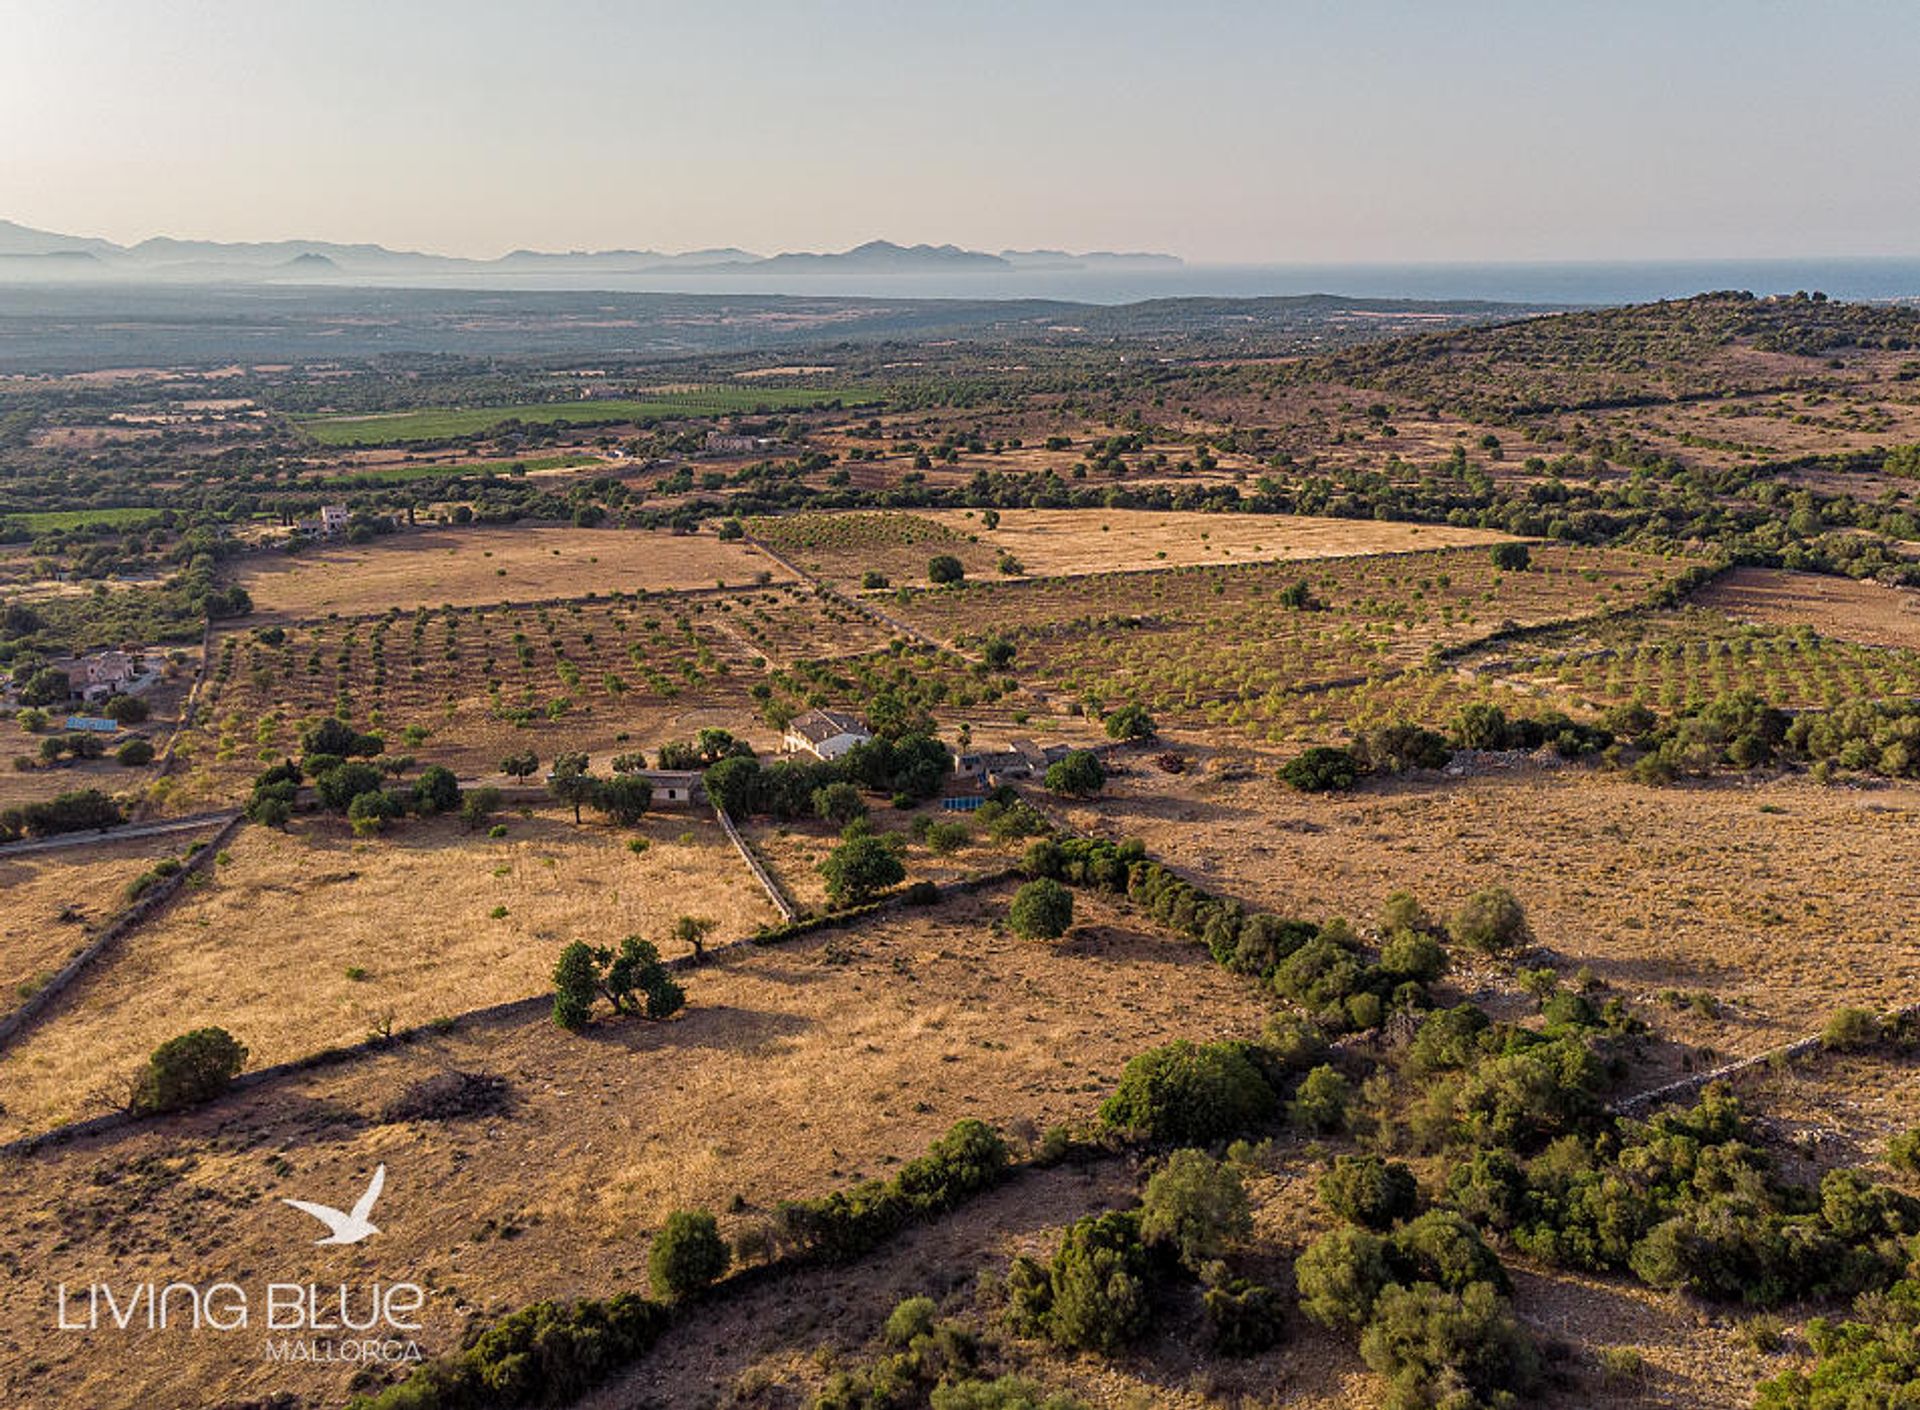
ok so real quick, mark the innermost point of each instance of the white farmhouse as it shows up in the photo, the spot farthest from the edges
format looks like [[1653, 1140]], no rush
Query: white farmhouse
[[825, 734]]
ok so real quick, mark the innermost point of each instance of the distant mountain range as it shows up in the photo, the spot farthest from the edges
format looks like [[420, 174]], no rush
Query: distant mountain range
[[26, 253]]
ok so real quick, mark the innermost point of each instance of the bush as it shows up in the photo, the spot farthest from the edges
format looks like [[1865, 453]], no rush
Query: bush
[[436, 791], [1366, 1190], [1491, 920], [371, 811], [1322, 769], [859, 869], [1197, 1206], [1339, 1276], [135, 753], [1041, 910], [1320, 1103], [1247, 1318], [1187, 1095], [1409, 954], [1903, 1151], [912, 1318], [125, 709], [838, 803], [1433, 1345], [1130, 722], [547, 1354], [184, 1071], [1850, 1030], [1511, 557], [1079, 775], [971, 1157], [945, 568], [1093, 1297], [688, 1255], [1005, 1393]]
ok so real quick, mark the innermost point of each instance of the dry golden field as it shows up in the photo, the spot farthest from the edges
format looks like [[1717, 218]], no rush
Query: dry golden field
[[1783, 898], [56, 901], [1071, 542], [793, 1070], [463, 566], [1837, 607], [313, 938]]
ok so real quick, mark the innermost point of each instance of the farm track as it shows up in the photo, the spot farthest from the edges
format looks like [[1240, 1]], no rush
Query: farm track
[[132, 832]]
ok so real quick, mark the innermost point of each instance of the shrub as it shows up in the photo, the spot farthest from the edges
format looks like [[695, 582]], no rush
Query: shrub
[[183, 1071], [1339, 1277], [688, 1254], [1004, 1393], [1433, 1344], [1367, 1190], [1320, 1103], [912, 1318], [1130, 722], [1491, 919], [1188, 1095], [371, 811], [838, 803], [945, 568], [1094, 1295], [125, 709], [1511, 557], [550, 1353], [1197, 1206], [1322, 769], [1903, 1151], [436, 791], [1850, 1030], [1041, 910], [135, 753], [1409, 954], [1079, 775], [859, 869], [1247, 1318]]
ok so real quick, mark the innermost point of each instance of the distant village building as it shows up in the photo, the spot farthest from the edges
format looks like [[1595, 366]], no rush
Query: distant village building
[[106, 673], [726, 443], [331, 524], [1022, 758], [673, 788], [825, 734]]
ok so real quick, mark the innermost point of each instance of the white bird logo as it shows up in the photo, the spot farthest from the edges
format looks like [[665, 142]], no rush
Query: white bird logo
[[347, 1228]]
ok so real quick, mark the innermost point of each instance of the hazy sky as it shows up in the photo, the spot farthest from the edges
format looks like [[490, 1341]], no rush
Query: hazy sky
[[1276, 132]]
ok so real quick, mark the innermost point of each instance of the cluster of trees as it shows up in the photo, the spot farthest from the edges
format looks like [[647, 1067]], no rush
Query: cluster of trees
[[624, 797], [908, 769], [631, 978], [1429, 1302], [1397, 748], [933, 1362], [1740, 730], [338, 760], [80, 810], [970, 1158]]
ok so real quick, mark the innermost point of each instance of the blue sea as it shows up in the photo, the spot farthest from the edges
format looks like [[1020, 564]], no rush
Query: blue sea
[[1535, 283]]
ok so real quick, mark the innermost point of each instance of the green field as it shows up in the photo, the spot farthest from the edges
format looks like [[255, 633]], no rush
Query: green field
[[448, 423], [40, 520]]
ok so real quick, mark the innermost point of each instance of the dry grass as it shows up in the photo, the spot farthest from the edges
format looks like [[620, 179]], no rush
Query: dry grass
[[1784, 899], [1054, 542], [792, 1071], [57, 901], [465, 566], [1835, 607], [266, 948]]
